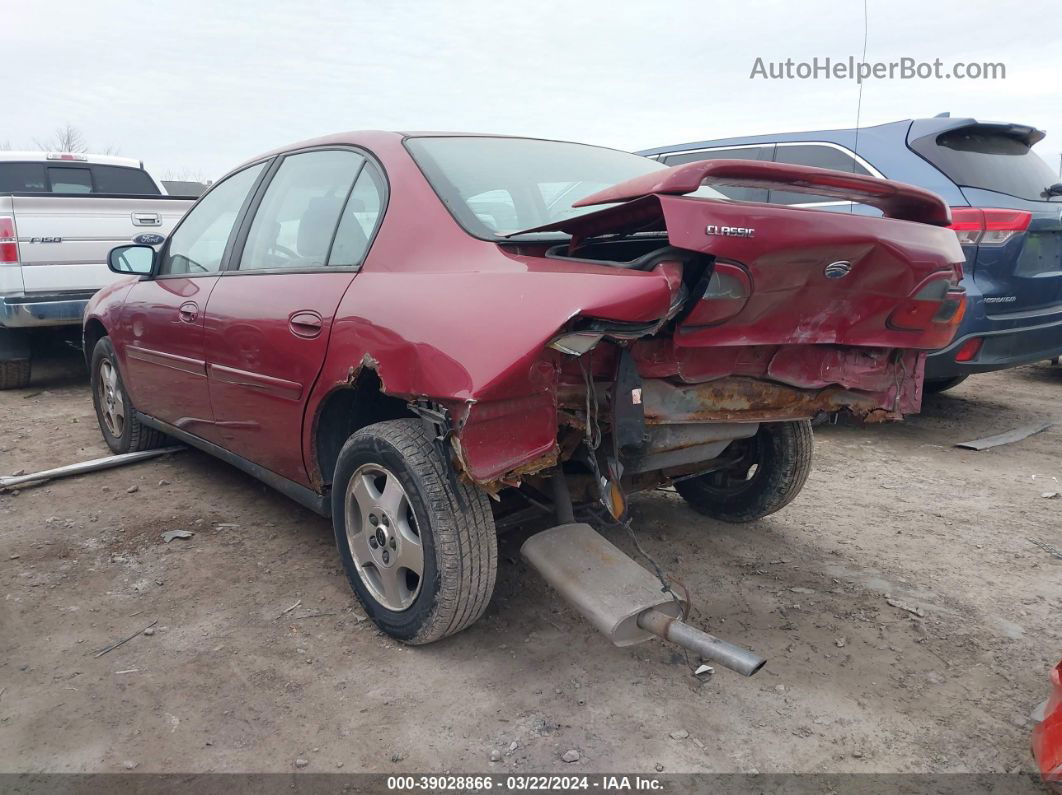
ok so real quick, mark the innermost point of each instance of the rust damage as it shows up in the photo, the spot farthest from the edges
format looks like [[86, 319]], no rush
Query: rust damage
[[738, 399]]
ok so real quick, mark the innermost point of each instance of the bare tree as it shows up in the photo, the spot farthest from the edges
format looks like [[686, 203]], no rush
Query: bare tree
[[5, 145], [186, 175], [67, 138]]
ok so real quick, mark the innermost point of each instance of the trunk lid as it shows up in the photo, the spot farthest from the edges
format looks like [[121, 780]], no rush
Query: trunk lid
[[785, 275]]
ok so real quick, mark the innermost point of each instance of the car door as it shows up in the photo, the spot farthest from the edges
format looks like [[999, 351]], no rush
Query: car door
[[160, 338], [269, 316]]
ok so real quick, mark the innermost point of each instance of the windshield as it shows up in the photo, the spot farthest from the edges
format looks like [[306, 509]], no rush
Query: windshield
[[981, 157], [497, 186]]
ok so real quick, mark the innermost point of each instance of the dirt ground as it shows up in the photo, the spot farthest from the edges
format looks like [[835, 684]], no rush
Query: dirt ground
[[235, 678]]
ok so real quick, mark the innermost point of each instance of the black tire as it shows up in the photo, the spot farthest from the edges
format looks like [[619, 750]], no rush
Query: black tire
[[14, 374], [131, 436], [781, 453], [453, 522], [938, 385]]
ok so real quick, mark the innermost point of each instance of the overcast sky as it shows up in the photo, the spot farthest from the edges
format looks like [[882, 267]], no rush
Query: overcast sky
[[197, 87]]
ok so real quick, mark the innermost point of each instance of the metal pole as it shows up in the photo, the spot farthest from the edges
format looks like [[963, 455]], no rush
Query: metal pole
[[86, 466]]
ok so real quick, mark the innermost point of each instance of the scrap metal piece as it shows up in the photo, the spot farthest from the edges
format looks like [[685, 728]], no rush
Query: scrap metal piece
[[86, 466], [1009, 437]]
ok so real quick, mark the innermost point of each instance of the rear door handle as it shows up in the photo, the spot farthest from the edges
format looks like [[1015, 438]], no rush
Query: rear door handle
[[188, 312], [146, 219], [305, 323]]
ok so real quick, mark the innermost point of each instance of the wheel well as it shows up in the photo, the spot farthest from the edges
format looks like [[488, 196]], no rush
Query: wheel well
[[348, 410], [94, 332]]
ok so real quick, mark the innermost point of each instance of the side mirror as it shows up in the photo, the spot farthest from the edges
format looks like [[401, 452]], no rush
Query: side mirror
[[136, 260]]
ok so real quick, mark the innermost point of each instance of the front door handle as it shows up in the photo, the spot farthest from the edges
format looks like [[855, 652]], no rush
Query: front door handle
[[305, 323], [188, 312]]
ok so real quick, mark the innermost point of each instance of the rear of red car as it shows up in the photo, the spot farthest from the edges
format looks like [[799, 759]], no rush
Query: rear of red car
[[732, 323]]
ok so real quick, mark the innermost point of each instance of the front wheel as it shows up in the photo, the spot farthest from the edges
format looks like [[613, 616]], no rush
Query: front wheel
[[769, 470], [418, 547], [119, 425]]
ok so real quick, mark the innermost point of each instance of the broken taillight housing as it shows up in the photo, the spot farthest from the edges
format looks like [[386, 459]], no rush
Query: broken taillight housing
[[8, 241], [576, 343], [987, 226], [728, 290], [935, 308]]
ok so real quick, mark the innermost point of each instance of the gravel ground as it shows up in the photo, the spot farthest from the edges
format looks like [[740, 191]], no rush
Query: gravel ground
[[232, 677]]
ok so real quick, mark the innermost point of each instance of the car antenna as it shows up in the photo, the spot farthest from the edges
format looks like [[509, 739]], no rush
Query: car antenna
[[859, 102]]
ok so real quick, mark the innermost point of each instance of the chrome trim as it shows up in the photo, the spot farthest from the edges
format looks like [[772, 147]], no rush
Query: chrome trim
[[28, 314]]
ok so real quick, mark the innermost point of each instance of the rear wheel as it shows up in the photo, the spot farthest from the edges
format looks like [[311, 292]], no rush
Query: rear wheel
[[119, 425], [418, 547], [937, 385], [769, 470]]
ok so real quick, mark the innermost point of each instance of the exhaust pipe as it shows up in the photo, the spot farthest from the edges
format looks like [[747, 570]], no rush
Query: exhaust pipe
[[709, 647], [620, 598]]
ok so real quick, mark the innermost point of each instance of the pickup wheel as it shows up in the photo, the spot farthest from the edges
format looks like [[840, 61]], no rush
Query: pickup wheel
[[122, 431], [14, 374], [419, 548], [770, 470]]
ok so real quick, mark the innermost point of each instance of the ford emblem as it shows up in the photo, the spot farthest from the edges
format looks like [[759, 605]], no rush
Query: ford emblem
[[148, 239], [838, 270]]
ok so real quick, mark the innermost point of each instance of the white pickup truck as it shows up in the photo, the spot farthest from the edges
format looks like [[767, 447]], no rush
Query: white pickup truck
[[60, 214]]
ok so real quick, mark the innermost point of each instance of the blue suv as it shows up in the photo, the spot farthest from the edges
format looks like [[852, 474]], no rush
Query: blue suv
[[1007, 210]]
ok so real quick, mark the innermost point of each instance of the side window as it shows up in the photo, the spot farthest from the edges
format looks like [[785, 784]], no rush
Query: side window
[[198, 244], [731, 153], [22, 177], [70, 180], [117, 179], [297, 218], [360, 219], [812, 155]]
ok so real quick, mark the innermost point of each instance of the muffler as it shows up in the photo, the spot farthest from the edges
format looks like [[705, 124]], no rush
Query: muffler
[[620, 598]]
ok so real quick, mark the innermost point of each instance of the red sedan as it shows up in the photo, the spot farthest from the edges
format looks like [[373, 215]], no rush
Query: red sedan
[[393, 329]]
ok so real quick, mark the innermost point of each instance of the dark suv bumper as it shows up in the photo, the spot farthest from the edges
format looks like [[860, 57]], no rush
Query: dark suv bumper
[[1002, 348]]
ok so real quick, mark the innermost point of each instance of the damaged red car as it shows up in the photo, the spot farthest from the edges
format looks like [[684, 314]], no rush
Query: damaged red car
[[414, 333]]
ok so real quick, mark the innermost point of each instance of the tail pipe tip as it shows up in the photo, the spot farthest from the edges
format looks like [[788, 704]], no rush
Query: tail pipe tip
[[709, 647]]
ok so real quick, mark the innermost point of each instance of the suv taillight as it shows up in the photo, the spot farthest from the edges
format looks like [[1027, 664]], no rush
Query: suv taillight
[[8, 241], [987, 226]]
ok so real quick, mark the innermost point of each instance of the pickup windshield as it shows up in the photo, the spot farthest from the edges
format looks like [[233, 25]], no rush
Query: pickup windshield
[[497, 186]]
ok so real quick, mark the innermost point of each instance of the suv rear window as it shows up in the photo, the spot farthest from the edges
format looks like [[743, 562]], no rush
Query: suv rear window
[[977, 157], [83, 178]]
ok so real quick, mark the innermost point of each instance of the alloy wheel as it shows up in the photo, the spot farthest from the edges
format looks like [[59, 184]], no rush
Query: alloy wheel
[[112, 404], [383, 536]]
